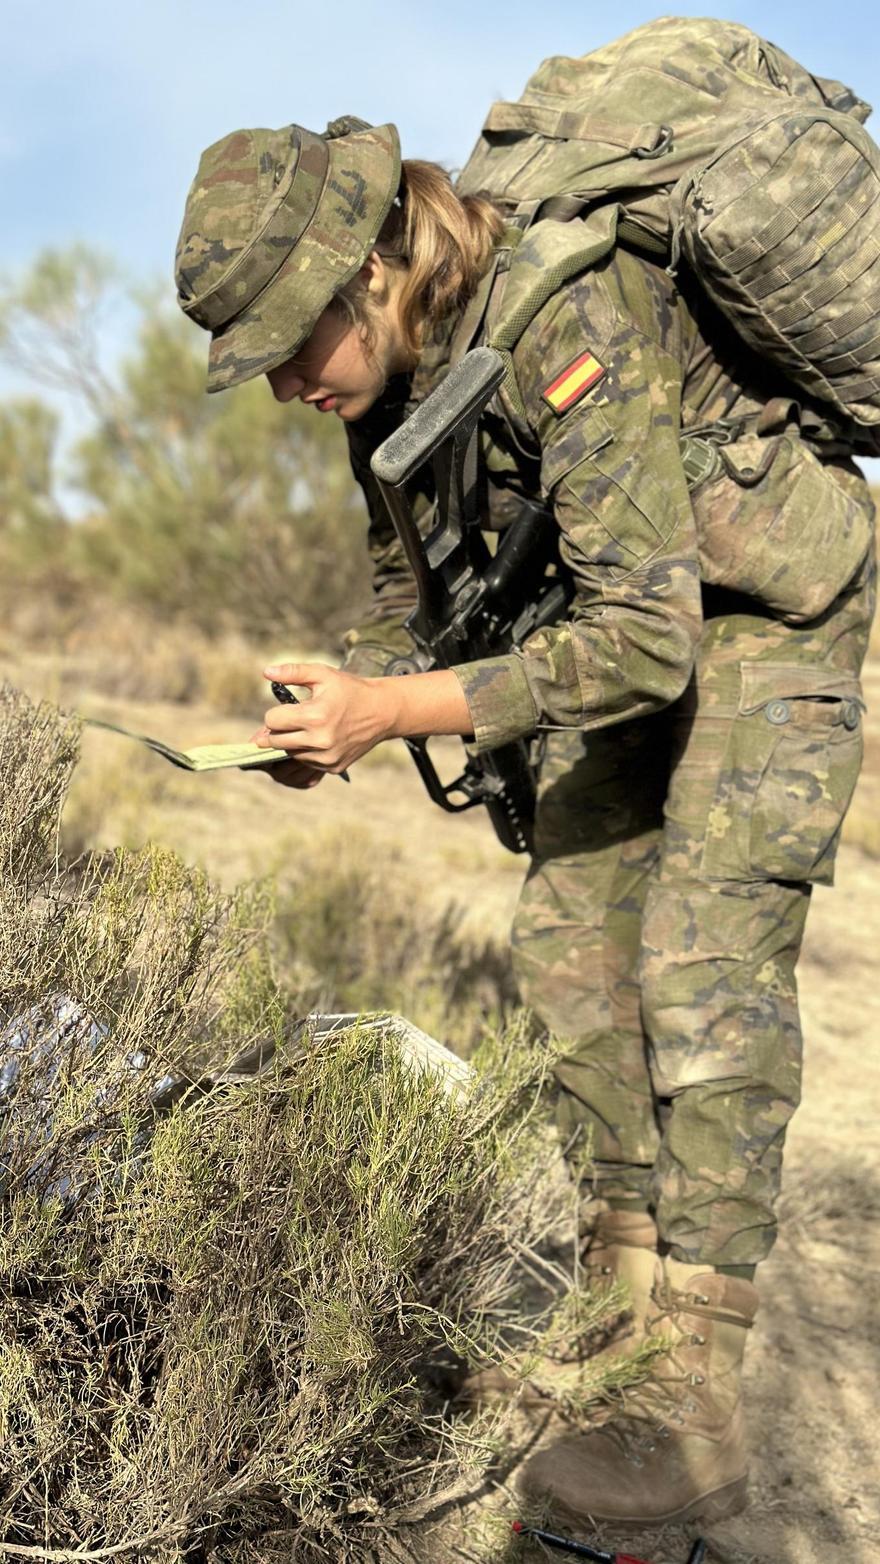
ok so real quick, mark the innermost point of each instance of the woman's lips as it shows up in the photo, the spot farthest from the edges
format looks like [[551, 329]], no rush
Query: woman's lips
[[326, 404]]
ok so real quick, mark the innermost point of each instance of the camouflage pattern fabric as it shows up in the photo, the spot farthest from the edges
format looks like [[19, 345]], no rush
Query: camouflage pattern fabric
[[662, 918], [699, 746], [276, 222], [698, 133], [768, 517], [634, 116]]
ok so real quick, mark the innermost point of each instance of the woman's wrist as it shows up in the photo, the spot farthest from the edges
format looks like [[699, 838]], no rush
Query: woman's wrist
[[416, 705]]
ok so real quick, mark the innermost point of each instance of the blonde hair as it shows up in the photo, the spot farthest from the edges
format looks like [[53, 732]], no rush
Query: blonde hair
[[443, 240]]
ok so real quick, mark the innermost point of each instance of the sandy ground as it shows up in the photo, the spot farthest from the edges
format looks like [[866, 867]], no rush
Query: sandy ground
[[813, 1366], [812, 1371]]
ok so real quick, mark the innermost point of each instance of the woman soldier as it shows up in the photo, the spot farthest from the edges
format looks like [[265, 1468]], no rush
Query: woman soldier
[[699, 744]]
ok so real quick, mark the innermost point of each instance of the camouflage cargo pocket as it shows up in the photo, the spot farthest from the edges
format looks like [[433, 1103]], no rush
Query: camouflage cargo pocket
[[789, 771], [775, 522]]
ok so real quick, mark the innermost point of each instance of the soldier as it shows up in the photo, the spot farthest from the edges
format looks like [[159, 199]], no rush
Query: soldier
[[698, 712]]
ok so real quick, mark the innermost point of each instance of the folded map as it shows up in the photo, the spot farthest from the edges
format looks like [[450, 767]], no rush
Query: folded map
[[204, 757]]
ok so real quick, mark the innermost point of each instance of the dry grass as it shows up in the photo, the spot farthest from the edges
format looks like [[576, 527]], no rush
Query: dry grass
[[233, 1309], [135, 657], [354, 930]]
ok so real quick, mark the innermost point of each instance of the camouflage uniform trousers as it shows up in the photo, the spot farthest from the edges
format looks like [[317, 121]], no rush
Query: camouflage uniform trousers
[[662, 918]]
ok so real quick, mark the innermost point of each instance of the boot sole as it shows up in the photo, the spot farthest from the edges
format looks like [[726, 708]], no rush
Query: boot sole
[[716, 1506]]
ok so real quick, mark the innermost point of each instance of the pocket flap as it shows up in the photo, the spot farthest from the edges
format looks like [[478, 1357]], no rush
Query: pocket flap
[[582, 438], [764, 682]]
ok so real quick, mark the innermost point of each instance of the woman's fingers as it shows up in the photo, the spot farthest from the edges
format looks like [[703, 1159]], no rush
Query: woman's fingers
[[293, 773], [291, 719], [305, 674]]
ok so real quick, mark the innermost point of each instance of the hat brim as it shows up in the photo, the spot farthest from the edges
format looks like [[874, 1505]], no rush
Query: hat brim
[[363, 178]]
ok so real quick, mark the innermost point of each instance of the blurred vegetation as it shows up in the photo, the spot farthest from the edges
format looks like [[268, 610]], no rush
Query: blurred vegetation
[[227, 512], [354, 930]]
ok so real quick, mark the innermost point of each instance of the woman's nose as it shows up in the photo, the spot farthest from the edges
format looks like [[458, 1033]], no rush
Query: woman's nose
[[285, 383]]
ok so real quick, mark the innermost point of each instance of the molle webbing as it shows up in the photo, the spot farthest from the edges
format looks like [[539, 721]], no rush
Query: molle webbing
[[714, 143]]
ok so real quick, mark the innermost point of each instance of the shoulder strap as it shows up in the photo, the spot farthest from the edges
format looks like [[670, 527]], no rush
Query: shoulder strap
[[548, 255]]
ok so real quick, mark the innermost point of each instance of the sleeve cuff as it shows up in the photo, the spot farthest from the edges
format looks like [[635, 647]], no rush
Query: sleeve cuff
[[369, 650], [500, 702]]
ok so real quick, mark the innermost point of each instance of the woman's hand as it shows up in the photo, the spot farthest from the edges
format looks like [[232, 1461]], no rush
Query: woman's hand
[[347, 716]]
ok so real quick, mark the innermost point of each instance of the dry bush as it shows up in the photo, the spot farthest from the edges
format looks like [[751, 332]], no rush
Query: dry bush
[[230, 1307], [355, 931]]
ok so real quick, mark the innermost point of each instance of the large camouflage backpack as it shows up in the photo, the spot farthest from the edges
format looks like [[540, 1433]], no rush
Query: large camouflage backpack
[[696, 137]]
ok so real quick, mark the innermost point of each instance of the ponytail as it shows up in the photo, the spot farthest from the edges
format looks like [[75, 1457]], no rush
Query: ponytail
[[445, 242]]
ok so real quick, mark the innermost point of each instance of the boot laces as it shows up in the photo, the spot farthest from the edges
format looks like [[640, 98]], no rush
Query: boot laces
[[655, 1409]]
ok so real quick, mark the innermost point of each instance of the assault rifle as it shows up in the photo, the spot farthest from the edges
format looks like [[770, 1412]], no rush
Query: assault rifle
[[471, 603]]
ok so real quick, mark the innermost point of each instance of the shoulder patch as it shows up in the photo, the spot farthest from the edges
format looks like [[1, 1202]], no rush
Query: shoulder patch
[[576, 380]]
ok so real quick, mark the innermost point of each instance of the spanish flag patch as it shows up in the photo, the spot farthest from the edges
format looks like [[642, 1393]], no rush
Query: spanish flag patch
[[575, 381]]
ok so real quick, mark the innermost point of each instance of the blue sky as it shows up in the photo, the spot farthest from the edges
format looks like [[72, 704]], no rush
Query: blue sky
[[105, 105]]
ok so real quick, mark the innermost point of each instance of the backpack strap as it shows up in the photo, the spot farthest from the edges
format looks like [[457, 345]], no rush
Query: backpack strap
[[548, 255], [468, 327], [631, 233], [566, 124]]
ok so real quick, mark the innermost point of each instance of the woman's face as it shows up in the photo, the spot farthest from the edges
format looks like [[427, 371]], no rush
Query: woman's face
[[335, 371]]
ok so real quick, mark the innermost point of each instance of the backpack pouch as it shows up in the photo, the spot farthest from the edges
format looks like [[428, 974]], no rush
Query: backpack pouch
[[776, 523], [782, 226]]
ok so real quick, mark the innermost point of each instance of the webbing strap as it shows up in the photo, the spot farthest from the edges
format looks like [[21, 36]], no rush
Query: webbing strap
[[811, 194], [637, 237], [549, 280], [795, 264], [845, 274], [565, 124]]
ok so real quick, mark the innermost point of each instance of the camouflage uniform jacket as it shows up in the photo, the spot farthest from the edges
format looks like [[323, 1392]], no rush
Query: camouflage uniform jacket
[[659, 360]]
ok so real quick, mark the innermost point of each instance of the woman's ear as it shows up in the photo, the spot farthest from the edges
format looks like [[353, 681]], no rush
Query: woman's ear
[[374, 274]]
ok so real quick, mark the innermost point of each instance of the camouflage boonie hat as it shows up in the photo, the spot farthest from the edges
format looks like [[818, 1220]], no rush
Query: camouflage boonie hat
[[276, 222]]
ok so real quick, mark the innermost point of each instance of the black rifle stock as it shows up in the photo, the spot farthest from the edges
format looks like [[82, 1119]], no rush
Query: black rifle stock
[[471, 603]]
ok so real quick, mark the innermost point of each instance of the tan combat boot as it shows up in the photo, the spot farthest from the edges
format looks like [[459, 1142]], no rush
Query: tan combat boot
[[620, 1247], [676, 1449]]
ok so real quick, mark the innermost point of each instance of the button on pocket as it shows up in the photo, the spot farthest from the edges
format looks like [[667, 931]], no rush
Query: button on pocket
[[790, 767]]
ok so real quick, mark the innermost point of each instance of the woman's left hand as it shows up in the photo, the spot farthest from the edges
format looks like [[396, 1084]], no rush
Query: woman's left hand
[[345, 717]]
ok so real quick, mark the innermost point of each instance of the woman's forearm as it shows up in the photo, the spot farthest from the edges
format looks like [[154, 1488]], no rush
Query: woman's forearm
[[420, 704]]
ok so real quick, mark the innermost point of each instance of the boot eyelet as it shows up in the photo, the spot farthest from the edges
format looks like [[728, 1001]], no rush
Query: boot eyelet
[[698, 1341], [701, 1298], [699, 1379]]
